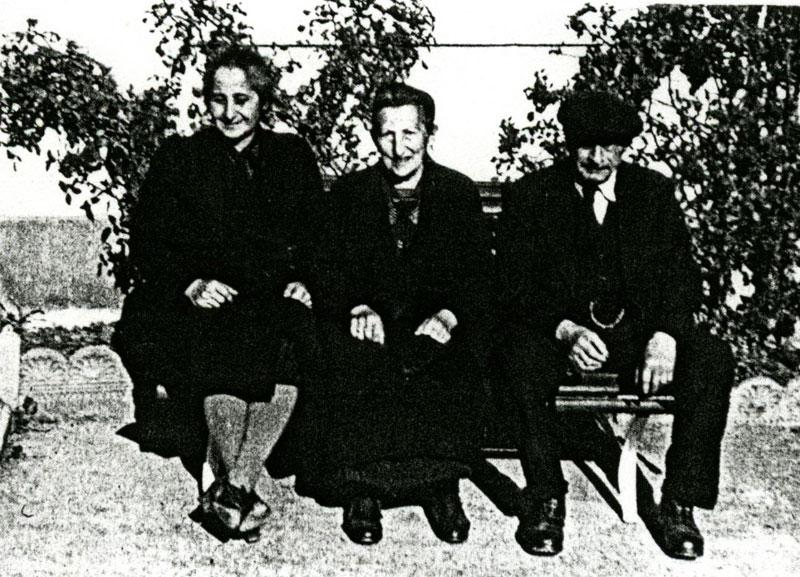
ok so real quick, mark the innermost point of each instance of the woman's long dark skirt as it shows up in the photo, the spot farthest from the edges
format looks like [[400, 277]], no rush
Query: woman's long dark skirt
[[364, 426], [193, 353]]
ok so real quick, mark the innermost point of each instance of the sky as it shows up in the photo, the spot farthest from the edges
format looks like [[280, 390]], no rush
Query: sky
[[474, 88]]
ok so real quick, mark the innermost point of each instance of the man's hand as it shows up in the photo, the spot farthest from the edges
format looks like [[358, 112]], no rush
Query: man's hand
[[365, 323], [587, 350], [659, 363], [439, 326], [298, 292], [209, 294]]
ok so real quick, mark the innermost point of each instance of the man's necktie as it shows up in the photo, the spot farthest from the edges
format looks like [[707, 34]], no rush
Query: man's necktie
[[596, 201]]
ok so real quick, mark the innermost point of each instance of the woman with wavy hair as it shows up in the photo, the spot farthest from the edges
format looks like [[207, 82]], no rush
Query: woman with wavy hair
[[221, 238]]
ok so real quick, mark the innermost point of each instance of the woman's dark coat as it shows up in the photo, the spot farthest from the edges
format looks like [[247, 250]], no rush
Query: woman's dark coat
[[412, 405], [247, 220]]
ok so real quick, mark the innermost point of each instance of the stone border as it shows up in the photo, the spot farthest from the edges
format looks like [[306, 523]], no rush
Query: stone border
[[94, 380], [761, 400], [90, 381]]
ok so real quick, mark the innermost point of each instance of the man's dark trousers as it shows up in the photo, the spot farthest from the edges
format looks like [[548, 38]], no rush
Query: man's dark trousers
[[536, 366]]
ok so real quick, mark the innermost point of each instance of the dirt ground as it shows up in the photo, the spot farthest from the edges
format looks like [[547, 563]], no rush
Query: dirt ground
[[83, 501]]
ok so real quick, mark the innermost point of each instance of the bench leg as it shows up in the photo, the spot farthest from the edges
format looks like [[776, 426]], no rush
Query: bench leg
[[628, 469], [627, 433]]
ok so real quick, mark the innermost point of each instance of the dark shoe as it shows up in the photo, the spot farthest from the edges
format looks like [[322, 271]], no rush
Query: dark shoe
[[252, 536], [678, 533], [446, 517], [255, 515], [541, 526], [229, 504], [208, 496], [362, 521]]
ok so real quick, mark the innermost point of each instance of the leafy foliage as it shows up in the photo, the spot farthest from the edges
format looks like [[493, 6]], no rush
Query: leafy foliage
[[11, 315], [366, 42], [718, 85], [51, 91], [50, 87], [28, 418]]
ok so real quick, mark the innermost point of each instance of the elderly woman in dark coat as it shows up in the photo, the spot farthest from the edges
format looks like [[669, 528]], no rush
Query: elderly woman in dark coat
[[397, 416], [220, 237]]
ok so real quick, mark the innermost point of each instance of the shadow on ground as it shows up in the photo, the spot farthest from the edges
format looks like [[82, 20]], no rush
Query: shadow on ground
[[84, 501]]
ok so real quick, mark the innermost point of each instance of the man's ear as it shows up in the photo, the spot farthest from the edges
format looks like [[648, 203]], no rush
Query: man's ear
[[432, 139]]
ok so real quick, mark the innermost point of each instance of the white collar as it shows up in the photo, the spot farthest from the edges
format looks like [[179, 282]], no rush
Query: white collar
[[606, 188]]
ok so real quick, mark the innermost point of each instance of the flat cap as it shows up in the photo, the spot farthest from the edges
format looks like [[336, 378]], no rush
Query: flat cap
[[591, 118]]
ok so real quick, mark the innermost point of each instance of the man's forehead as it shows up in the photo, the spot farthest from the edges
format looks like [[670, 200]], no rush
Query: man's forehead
[[404, 114], [606, 147]]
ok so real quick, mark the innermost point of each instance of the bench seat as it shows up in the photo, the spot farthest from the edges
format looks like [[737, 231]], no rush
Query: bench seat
[[600, 395]]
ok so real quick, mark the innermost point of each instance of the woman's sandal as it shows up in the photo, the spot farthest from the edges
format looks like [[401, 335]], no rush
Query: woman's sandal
[[254, 518], [240, 511], [207, 497], [229, 504]]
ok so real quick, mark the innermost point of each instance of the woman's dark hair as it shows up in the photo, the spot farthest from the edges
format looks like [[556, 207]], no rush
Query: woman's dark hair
[[393, 94], [248, 60]]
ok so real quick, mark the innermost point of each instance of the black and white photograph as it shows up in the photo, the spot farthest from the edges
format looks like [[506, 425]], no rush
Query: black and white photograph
[[385, 288]]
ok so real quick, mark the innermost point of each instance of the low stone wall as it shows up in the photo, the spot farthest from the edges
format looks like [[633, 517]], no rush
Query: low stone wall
[[761, 400], [89, 383], [93, 382]]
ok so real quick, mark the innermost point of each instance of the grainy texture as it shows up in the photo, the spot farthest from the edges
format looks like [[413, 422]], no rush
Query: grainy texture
[[85, 502], [52, 263]]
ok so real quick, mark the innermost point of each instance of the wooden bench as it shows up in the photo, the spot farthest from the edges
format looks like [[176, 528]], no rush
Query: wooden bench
[[598, 394]]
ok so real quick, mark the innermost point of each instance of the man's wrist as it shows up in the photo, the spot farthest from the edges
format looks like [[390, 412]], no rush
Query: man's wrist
[[663, 338], [566, 330], [447, 318], [359, 310], [192, 288]]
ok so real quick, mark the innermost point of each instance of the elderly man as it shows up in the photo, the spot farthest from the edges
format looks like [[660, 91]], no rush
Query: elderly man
[[405, 278], [596, 261]]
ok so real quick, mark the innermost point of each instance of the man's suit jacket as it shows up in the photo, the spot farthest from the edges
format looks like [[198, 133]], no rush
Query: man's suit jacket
[[542, 262], [446, 265]]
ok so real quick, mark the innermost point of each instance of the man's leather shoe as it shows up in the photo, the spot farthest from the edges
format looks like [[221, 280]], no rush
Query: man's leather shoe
[[679, 536], [541, 526], [446, 516], [252, 536], [362, 521]]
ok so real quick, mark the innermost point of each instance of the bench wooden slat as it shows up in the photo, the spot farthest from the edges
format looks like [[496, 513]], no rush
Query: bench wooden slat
[[587, 390], [601, 392], [617, 404]]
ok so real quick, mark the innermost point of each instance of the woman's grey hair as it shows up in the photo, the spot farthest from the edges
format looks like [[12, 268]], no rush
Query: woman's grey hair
[[249, 61], [393, 94]]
